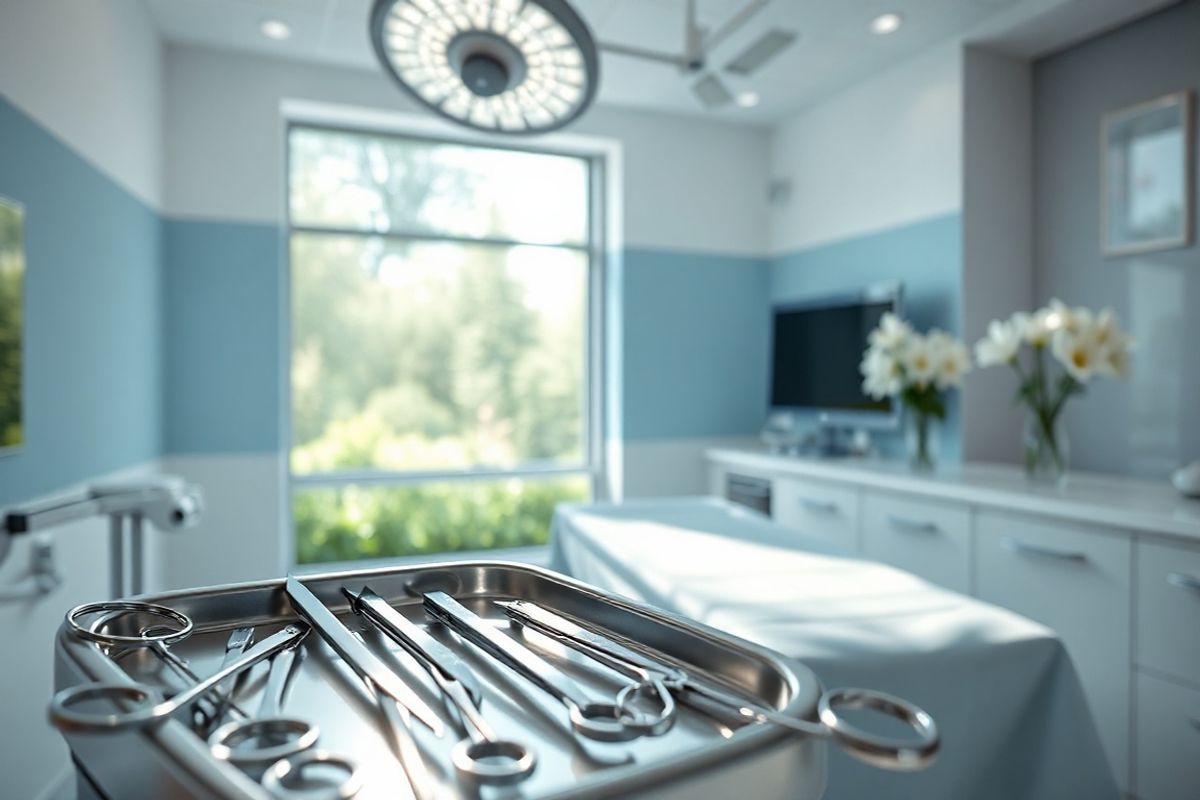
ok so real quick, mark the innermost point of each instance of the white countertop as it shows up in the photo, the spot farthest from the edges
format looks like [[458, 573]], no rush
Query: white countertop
[[1131, 504]]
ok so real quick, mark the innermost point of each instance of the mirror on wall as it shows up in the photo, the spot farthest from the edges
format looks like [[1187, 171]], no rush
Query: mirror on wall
[[12, 296]]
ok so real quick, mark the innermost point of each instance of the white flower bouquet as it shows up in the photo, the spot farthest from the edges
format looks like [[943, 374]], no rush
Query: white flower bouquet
[[1082, 344], [918, 369]]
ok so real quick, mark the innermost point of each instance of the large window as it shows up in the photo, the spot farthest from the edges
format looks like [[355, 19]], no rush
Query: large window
[[441, 345]]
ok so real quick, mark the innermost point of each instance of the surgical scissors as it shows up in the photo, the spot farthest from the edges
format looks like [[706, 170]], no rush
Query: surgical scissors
[[290, 736], [153, 708], [887, 752], [482, 756], [599, 721]]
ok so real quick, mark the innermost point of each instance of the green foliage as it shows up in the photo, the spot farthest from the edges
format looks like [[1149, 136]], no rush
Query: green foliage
[[925, 400], [354, 522], [413, 354]]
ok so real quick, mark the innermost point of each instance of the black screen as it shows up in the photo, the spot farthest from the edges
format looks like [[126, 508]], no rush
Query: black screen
[[816, 356]]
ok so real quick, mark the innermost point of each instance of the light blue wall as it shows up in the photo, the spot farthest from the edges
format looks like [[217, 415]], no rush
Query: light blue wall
[[92, 316], [224, 293], [695, 345], [926, 256]]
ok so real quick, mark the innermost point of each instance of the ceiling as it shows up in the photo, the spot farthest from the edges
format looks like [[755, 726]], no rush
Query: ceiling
[[835, 46]]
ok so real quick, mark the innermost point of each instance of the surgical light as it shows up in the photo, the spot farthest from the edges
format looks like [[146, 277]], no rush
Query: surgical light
[[509, 66]]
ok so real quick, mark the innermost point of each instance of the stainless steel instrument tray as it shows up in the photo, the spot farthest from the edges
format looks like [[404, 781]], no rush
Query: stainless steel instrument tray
[[696, 758]]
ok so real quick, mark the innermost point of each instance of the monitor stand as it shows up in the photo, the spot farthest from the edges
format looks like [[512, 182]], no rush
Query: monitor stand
[[836, 442]]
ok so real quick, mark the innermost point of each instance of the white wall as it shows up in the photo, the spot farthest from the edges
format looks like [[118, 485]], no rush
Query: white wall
[[997, 236], [882, 153], [91, 73], [689, 185]]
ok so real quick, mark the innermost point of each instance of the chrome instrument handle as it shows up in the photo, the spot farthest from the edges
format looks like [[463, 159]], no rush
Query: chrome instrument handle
[[613, 654], [885, 752], [416, 640], [599, 721], [1017, 546], [458, 618]]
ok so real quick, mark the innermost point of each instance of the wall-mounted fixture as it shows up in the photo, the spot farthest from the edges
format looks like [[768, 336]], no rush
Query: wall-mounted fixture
[[493, 65], [167, 502]]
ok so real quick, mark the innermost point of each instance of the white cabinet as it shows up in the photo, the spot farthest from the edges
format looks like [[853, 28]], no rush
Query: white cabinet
[[1168, 740], [1077, 581], [1168, 612], [1063, 556], [823, 510], [927, 538]]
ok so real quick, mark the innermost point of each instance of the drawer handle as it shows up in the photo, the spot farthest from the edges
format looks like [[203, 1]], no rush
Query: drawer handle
[[911, 525], [819, 506], [1181, 581], [1039, 550]]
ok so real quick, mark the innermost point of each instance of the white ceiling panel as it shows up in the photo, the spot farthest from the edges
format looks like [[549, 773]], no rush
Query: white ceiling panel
[[835, 47]]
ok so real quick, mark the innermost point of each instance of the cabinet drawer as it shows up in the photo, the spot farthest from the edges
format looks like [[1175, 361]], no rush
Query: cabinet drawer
[[822, 510], [1077, 581], [1168, 740], [1168, 609], [927, 538]]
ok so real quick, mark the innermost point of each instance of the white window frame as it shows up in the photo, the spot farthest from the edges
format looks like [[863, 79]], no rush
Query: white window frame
[[603, 246]]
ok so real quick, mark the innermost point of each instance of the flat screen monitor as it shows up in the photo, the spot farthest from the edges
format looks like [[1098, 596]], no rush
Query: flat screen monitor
[[817, 346]]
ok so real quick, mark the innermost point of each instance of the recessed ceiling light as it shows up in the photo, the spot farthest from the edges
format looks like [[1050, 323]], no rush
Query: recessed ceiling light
[[748, 99], [275, 29], [886, 23]]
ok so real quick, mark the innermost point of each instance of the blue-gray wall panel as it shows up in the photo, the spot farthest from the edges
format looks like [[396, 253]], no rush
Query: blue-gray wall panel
[[92, 315], [225, 366], [695, 345]]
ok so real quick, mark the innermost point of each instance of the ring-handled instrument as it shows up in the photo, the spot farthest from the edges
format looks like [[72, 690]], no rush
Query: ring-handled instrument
[[268, 736], [647, 678], [209, 708], [150, 707], [184, 671], [482, 756], [894, 753], [598, 721]]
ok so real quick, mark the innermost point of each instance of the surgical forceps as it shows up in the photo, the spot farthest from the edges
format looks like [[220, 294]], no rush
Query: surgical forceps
[[481, 756], [599, 721], [290, 736], [646, 679], [886, 752]]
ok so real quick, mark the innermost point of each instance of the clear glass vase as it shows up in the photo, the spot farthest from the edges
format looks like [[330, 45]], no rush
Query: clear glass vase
[[1046, 449], [920, 446]]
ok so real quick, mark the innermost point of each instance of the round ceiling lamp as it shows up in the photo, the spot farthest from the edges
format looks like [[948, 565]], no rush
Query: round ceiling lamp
[[509, 66]]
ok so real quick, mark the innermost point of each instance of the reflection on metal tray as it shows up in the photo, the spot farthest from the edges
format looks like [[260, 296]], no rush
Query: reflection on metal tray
[[700, 753]]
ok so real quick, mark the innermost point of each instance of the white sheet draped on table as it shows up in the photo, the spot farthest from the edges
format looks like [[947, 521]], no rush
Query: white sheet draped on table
[[1005, 695]]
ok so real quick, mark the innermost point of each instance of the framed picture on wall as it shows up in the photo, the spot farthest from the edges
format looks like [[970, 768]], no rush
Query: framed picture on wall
[[1147, 153], [12, 301]]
